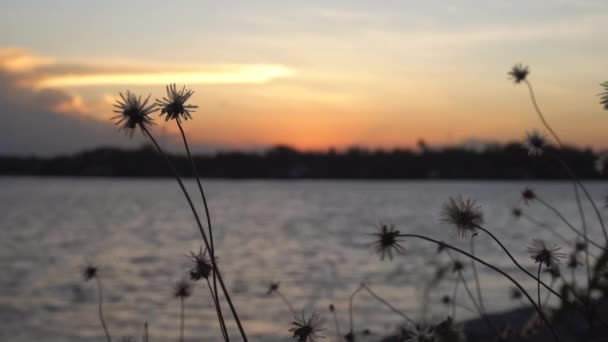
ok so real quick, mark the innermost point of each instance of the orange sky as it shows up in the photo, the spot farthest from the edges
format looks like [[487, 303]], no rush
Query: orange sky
[[330, 75]]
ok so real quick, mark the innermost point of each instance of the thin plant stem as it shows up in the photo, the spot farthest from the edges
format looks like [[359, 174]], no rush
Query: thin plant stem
[[476, 276], [559, 214], [207, 212], [200, 227], [584, 188], [100, 309], [388, 305], [350, 308], [540, 114], [284, 299], [517, 263], [573, 176], [540, 265], [145, 338], [337, 325], [584, 225], [548, 295], [220, 316], [494, 268], [478, 307], [454, 293], [181, 319]]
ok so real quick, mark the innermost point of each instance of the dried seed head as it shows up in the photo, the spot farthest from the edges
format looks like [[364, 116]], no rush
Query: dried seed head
[[517, 212], [528, 195], [464, 215], [307, 328], [535, 142], [133, 112], [387, 241], [174, 104], [457, 266], [604, 95], [89, 272], [182, 289], [573, 261], [274, 286], [202, 266], [518, 73], [516, 293], [540, 253]]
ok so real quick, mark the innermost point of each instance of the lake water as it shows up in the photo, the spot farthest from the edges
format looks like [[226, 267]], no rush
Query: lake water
[[309, 235]]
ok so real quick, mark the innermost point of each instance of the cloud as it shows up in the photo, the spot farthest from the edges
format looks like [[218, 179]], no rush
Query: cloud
[[45, 121], [43, 72]]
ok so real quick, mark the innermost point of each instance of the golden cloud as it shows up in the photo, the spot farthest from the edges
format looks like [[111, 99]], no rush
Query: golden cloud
[[43, 72]]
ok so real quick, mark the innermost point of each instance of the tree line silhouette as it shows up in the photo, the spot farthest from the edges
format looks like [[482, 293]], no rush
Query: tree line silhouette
[[508, 161]]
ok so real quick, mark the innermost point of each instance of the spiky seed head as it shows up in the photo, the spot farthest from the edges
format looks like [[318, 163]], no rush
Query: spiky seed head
[[519, 73], [307, 328], [535, 142], [604, 95], [528, 195], [516, 293], [89, 272], [202, 266], [463, 214], [133, 112], [174, 104], [457, 266], [446, 300], [387, 241], [182, 289], [273, 287], [332, 308], [541, 253], [580, 246], [516, 212]]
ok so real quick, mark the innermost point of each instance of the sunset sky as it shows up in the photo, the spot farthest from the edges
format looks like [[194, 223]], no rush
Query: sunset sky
[[311, 74]]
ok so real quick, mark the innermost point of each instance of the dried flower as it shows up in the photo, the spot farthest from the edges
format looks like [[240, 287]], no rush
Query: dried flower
[[540, 253], [535, 143], [174, 104], [182, 289], [518, 73], [89, 272], [447, 331], [419, 333], [516, 293], [133, 112], [457, 266], [332, 308], [517, 212], [465, 215], [274, 286], [307, 329], [604, 95], [573, 261], [387, 241], [446, 300], [580, 246], [528, 195], [202, 267]]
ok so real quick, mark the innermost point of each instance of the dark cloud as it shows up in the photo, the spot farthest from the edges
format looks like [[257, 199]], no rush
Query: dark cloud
[[30, 126]]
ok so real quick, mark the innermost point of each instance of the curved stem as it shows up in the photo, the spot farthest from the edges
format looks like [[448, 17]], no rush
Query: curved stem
[[100, 309], [557, 212], [218, 311], [388, 305], [476, 276], [293, 312], [584, 188], [540, 114], [202, 231], [478, 307], [517, 263], [548, 295], [494, 268], [350, 308], [207, 213]]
